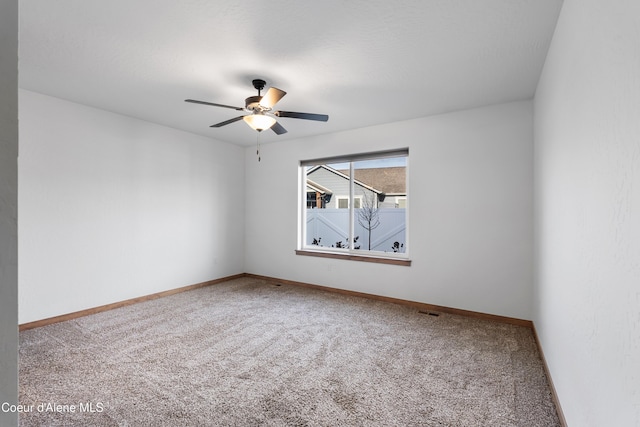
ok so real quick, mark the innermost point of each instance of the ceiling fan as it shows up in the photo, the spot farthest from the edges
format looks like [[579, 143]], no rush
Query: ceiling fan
[[260, 108]]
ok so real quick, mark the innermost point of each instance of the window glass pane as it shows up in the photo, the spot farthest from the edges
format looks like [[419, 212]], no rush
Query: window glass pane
[[380, 222], [327, 213], [379, 202]]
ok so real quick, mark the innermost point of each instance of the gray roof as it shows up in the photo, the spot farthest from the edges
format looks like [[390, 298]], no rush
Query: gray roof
[[391, 180]]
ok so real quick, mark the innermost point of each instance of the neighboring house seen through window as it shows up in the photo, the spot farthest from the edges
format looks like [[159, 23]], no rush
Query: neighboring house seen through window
[[356, 204]]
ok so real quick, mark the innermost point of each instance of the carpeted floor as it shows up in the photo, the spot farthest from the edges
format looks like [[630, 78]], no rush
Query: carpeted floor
[[249, 353]]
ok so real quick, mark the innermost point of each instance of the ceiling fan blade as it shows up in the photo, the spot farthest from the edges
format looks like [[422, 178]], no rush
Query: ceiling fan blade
[[272, 96], [226, 122], [194, 101], [306, 116], [277, 128]]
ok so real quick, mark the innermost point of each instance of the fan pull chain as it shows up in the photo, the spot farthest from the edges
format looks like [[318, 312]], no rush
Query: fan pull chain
[[258, 145]]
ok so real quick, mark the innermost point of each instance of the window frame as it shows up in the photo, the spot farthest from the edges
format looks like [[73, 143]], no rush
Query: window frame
[[396, 258]]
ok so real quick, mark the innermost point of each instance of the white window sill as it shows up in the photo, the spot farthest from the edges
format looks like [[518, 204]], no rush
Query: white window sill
[[352, 257]]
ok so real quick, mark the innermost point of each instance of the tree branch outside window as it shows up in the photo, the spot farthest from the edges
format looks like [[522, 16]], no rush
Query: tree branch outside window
[[368, 216]]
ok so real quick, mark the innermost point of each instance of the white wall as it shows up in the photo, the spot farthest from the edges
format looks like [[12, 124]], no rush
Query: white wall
[[8, 208], [470, 211], [113, 208], [587, 156]]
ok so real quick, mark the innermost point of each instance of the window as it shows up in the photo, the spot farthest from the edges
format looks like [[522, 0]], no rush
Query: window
[[343, 202], [355, 205]]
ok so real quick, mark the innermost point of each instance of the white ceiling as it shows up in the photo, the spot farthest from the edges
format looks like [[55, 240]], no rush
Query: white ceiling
[[361, 62]]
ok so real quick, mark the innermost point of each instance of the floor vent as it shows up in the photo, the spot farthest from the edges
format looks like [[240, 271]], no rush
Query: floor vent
[[430, 313]]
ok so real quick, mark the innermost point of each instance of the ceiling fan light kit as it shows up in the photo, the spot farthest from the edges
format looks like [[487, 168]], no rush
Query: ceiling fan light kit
[[259, 121]]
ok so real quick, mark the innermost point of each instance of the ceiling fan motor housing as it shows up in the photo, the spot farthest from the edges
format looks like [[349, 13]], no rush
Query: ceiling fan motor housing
[[252, 103]]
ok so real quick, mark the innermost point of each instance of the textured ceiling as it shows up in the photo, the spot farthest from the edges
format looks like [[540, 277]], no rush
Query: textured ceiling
[[360, 62]]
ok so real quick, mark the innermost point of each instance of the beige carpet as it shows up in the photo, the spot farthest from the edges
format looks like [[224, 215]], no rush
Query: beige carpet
[[249, 353]]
